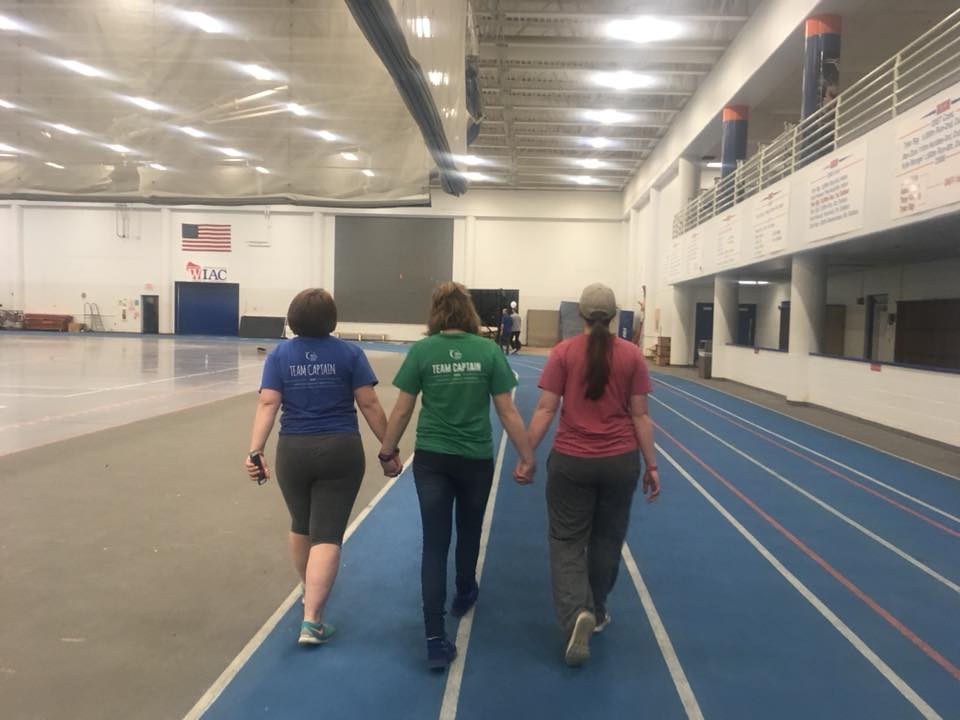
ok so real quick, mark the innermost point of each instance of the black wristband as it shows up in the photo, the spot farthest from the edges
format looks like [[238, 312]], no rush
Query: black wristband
[[388, 458]]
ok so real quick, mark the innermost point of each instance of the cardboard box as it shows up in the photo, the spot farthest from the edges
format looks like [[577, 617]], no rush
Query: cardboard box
[[76, 327]]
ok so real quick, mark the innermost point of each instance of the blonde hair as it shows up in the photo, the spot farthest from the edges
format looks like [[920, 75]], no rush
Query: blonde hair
[[452, 309]]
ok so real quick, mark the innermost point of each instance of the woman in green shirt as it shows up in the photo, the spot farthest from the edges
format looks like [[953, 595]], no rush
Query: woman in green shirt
[[457, 372]]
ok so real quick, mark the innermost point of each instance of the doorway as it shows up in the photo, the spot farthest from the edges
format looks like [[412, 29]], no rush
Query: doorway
[[784, 343], [876, 312], [150, 314], [703, 328], [207, 308], [746, 324]]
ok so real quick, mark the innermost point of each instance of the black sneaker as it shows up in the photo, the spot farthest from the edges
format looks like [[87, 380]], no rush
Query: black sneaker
[[462, 603], [603, 619], [440, 653]]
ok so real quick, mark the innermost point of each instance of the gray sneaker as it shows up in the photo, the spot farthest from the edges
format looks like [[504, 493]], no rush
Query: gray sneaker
[[578, 648]]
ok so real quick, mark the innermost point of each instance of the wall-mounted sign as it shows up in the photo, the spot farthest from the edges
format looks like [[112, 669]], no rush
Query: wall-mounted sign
[[729, 230], [204, 273], [771, 217], [836, 192], [928, 155]]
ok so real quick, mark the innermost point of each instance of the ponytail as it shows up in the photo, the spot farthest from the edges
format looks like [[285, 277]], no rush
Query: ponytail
[[599, 345]]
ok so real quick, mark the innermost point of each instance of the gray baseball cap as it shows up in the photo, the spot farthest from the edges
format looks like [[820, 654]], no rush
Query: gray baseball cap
[[597, 302]]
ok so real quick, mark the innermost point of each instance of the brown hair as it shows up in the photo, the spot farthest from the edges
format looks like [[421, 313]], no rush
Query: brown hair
[[452, 309], [312, 313], [599, 346]]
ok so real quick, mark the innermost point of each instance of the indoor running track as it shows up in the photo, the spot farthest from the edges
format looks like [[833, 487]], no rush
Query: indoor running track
[[785, 572]]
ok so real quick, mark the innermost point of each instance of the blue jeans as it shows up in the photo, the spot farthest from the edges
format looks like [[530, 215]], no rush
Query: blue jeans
[[444, 482]]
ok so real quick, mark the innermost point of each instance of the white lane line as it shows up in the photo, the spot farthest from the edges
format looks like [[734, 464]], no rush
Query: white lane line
[[820, 455], [680, 681], [221, 683], [826, 506], [451, 693], [891, 676], [233, 368]]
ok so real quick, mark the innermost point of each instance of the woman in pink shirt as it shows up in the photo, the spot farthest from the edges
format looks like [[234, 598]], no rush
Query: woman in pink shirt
[[593, 469]]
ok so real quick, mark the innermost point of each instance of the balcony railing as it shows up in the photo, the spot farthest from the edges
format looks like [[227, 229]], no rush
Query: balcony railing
[[924, 67]]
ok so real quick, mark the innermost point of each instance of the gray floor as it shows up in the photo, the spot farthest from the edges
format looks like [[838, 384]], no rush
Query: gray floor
[[137, 559]]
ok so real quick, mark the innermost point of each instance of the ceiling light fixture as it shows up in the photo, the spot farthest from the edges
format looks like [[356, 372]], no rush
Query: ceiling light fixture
[[643, 29], [81, 68], [204, 22], [753, 282], [145, 103], [608, 116], [8, 23], [438, 78], [591, 163], [262, 170], [368, 172], [46, 134], [158, 166], [327, 135], [422, 27], [231, 152], [7, 105], [258, 72], [476, 177], [7, 155], [352, 157], [623, 80], [8, 148], [714, 165], [599, 143], [119, 148], [584, 179], [66, 129], [54, 165], [299, 110], [471, 160], [192, 132]]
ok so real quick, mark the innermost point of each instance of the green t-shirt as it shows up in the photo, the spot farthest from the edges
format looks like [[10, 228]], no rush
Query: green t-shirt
[[456, 373]]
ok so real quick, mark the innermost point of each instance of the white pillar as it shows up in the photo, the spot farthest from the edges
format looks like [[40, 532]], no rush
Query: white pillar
[[470, 252], [316, 249], [688, 178], [808, 302], [633, 263], [19, 261], [681, 340], [649, 269], [726, 298]]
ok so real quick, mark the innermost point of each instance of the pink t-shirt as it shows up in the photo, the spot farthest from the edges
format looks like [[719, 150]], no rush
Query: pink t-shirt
[[595, 428]]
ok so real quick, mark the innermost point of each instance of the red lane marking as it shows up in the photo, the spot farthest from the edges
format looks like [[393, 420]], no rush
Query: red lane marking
[[837, 575], [829, 469]]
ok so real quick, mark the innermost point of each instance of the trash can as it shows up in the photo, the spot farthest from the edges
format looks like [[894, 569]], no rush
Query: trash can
[[705, 364]]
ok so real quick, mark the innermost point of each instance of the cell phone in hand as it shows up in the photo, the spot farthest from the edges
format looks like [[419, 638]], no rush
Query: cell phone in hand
[[257, 459]]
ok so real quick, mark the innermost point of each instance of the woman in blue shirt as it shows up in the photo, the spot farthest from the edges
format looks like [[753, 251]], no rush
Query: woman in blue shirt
[[319, 381]]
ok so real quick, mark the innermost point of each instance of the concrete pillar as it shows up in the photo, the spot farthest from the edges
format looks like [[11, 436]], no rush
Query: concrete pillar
[[682, 335], [726, 299], [808, 302], [821, 65], [167, 281], [18, 264], [733, 146], [316, 249], [688, 178]]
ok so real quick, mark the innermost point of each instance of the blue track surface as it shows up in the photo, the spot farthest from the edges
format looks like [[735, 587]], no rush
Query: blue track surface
[[881, 551]]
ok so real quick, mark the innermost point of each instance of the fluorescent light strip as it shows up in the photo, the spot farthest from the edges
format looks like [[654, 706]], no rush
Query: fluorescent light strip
[[192, 132], [262, 170], [231, 152], [368, 172], [7, 105], [81, 68], [204, 22], [258, 72], [352, 157], [8, 23], [123, 149], [599, 143], [145, 103], [66, 129], [643, 29], [327, 135], [8, 148], [54, 165], [157, 166], [591, 163], [299, 110]]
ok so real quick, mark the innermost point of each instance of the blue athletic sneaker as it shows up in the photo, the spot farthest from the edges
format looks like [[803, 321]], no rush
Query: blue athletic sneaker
[[462, 603], [315, 633], [440, 653]]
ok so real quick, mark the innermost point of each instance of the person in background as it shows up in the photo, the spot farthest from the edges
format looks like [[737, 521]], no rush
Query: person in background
[[318, 381], [594, 466], [506, 328], [457, 372], [516, 324]]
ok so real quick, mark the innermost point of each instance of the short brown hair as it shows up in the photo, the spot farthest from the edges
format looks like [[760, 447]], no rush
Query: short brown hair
[[312, 313], [452, 309]]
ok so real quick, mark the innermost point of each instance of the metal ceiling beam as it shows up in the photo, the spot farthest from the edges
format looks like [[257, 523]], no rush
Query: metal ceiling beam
[[573, 89], [597, 56], [593, 43], [537, 107], [592, 17]]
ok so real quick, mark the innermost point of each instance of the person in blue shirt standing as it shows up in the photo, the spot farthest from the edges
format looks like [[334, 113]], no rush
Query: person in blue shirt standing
[[318, 381], [506, 329]]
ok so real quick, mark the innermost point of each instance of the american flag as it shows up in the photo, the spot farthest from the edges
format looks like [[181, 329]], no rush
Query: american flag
[[205, 238]]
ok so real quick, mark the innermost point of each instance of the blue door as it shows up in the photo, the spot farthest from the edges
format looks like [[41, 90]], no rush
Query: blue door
[[207, 308], [625, 326]]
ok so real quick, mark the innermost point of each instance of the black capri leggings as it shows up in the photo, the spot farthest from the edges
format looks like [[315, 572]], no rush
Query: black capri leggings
[[319, 476]]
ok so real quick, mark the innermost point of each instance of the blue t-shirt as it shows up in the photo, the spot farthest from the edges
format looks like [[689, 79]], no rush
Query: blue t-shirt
[[317, 377], [506, 324]]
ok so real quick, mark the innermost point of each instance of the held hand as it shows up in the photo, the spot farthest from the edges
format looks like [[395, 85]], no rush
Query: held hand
[[253, 471], [651, 484], [525, 471], [392, 467]]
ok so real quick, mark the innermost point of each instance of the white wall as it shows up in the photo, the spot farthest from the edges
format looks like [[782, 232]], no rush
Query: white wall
[[768, 370], [917, 401], [547, 244], [917, 281]]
